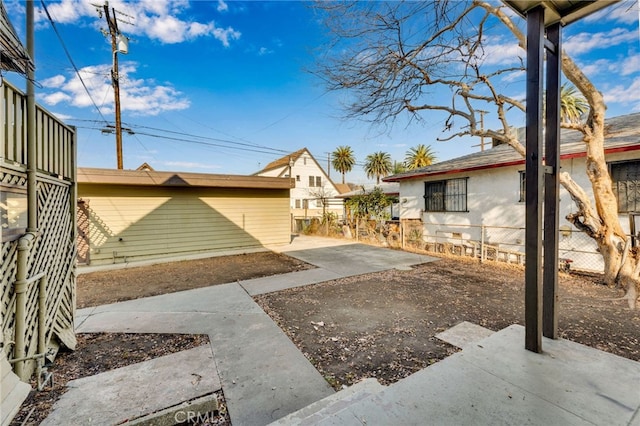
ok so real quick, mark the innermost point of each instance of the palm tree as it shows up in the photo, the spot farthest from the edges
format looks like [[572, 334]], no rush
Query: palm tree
[[398, 167], [342, 160], [378, 164], [572, 104], [420, 156]]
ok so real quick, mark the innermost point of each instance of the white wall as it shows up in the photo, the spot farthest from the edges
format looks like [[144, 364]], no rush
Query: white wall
[[304, 167], [493, 201]]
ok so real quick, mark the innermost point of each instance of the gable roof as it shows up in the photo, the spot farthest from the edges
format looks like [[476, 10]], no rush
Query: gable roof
[[623, 135], [145, 166], [284, 161]]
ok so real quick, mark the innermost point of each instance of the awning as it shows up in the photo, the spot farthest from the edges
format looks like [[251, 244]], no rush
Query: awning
[[13, 56]]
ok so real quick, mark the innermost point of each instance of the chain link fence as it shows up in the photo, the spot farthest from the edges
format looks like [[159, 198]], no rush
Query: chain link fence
[[503, 243]]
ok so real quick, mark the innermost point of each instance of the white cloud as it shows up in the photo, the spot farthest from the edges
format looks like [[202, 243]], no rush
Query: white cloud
[[599, 66], [621, 67], [137, 96], [53, 82], [497, 51], [225, 34], [68, 11], [167, 29], [514, 76], [631, 65], [196, 29], [264, 51], [222, 6], [55, 98], [585, 42], [625, 95], [162, 20]]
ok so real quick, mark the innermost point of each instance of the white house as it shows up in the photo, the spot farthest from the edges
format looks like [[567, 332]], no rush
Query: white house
[[480, 197], [314, 192]]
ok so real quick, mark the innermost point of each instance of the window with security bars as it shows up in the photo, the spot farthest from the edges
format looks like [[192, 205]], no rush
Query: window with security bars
[[626, 185], [446, 195]]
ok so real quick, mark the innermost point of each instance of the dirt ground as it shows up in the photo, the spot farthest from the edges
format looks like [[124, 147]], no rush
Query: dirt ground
[[383, 324], [96, 353], [376, 325], [99, 288], [100, 352]]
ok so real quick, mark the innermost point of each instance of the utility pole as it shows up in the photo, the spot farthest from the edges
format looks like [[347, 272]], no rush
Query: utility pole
[[481, 145], [482, 113], [116, 37]]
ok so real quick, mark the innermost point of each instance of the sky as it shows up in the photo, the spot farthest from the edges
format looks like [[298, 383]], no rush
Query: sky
[[225, 86]]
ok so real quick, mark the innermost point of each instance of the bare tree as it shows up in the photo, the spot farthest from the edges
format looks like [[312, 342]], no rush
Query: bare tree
[[393, 57]]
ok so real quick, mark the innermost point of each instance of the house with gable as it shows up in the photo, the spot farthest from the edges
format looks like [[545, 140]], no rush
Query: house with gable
[[480, 196], [314, 192]]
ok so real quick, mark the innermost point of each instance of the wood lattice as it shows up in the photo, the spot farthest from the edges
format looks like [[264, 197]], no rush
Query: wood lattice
[[53, 252]]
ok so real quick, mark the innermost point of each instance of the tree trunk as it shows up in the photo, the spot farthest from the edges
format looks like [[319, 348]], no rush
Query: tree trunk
[[603, 224]]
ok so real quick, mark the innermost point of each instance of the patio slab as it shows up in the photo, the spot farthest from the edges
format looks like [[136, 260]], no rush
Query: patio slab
[[497, 381], [138, 390]]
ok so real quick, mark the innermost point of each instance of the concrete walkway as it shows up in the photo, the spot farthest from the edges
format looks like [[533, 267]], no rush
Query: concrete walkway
[[265, 378], [263, 375]]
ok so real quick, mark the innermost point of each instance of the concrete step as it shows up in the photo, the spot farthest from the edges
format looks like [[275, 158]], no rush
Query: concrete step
[[332, 404], [131, 393], [13, 392]]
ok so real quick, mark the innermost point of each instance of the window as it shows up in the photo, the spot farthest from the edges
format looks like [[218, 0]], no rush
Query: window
[[315, 181], [304, 160], [523, 188], [446, 195], [13, 213], [298, 204], [297, 178], [626, 185]]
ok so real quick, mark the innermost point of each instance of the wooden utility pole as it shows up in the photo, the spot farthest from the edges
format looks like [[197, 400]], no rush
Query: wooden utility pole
[[115, 79], [114, 32]]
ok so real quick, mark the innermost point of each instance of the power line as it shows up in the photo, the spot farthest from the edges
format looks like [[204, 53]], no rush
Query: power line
[[196, 142], [66, 51], [131, 128]]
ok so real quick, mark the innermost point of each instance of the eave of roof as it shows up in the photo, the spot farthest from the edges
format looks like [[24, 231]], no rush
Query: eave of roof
[[388, 188], [96, 176], [624, 137], [13, 56]]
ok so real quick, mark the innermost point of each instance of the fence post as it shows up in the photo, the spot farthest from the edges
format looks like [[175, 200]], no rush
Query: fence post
[[482, 249], [402, 232]]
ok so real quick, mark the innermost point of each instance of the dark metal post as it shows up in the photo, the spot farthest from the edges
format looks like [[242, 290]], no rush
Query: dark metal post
[[534, 188], [551, 183]]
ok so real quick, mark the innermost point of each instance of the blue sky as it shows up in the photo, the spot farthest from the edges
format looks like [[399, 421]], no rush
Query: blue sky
[[200, 74]]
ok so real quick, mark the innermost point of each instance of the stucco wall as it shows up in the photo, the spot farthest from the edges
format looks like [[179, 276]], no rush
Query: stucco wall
[[129, 223], [493, 201]]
